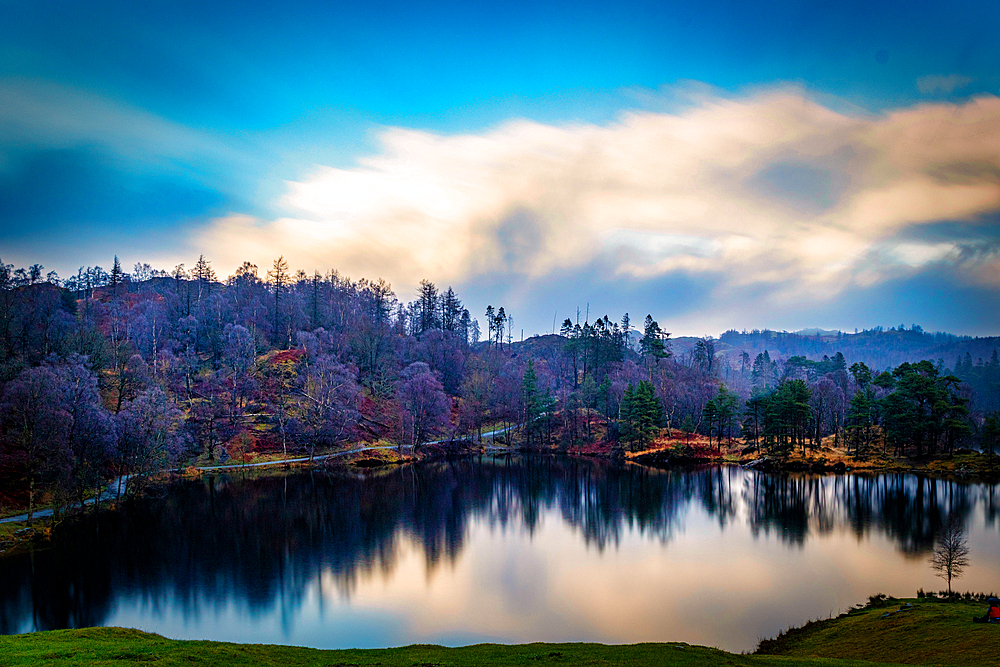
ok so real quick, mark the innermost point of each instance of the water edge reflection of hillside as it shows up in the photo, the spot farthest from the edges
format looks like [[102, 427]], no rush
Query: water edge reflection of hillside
[[261, 543]]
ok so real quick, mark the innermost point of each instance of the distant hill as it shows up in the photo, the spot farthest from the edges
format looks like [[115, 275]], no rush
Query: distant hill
[[879, 349], [818, 332]]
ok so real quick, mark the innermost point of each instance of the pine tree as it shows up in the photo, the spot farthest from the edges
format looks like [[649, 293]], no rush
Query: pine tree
[[428, 307], [205, 275], [491, 323], [117, 276], [280, 281], [653, 342], [641, 414]]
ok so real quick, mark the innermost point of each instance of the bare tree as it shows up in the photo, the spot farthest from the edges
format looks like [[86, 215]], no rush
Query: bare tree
[[951, 555]]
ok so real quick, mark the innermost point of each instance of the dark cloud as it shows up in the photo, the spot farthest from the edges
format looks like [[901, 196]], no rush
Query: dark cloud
[[816, 185], [520, 237], [62, 189], [983, 228], [932, 298], [67, 208], [974, 241]]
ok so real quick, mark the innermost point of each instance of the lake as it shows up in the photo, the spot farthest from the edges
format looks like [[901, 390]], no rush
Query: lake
[[498, 549]]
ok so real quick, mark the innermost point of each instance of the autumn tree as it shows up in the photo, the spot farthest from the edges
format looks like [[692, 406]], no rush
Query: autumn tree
[[149, 436], [279, 377], [426, 408], [331, 396], [89, 439], [35, 426], [239, 357]]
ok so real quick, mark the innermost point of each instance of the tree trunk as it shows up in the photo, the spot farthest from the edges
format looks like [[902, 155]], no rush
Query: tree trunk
[[31, 498]]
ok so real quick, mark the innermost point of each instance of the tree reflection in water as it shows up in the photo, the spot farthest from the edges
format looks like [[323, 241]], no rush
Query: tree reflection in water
[[263, 540]]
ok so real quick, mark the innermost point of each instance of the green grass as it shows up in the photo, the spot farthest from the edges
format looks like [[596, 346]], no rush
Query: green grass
[[932, 632], [9, 539], [117, 646], [8, 529]]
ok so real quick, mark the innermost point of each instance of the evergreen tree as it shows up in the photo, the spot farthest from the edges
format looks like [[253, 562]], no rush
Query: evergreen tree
[[641, 414], [117, 275], [654, 344], [990, 433], [280, 281], [429, 317], [764, 373]]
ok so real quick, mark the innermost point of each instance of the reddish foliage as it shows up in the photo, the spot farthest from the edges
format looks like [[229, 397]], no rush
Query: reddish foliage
[[603, 447], [287, 356], [694, 445], [267, 442], [13, 489], [379, 417]]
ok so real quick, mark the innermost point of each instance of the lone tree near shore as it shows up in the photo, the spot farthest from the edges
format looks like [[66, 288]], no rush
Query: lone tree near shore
[[951, 555]]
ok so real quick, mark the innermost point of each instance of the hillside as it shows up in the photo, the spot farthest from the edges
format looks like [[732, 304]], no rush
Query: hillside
[[920, 631]]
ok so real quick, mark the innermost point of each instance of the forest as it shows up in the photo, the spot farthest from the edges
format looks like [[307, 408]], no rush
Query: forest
[[114, 373]]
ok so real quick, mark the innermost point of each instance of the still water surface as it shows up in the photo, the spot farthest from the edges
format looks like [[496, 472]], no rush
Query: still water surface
[[510, 549]]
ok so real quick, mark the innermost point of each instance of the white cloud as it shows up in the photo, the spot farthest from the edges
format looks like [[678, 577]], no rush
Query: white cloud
[[937, 84], [920, 254], [771, 189]]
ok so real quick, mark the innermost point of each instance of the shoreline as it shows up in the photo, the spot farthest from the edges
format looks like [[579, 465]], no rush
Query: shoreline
[[972, 467], [921, 631]]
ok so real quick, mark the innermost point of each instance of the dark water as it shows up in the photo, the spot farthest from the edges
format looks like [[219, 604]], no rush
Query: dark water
[[507, 550]]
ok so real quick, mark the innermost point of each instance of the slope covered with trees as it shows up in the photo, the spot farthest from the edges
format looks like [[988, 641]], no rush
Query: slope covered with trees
[[116, 373]]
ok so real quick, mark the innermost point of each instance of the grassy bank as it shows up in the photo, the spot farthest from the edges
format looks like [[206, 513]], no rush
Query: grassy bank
[[926, 633], [922, 631], [116, 646]]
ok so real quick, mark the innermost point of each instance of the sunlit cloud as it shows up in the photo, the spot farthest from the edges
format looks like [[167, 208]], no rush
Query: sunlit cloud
[[770, 190]]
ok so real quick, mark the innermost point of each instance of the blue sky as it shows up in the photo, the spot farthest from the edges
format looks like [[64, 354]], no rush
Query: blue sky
[[716, 164]]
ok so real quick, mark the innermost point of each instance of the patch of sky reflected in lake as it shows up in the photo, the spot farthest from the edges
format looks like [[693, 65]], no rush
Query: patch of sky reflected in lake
[[507, 549]]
